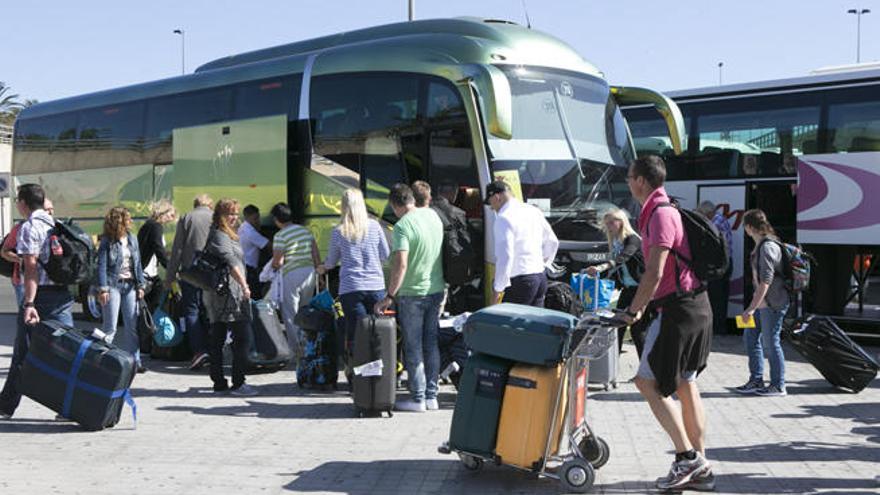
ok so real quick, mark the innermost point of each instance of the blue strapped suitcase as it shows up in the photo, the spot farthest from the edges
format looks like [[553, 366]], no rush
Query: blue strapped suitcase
[[82, 379], [524, 334]]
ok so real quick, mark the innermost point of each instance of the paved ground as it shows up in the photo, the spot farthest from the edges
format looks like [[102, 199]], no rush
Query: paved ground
[[189, 441]]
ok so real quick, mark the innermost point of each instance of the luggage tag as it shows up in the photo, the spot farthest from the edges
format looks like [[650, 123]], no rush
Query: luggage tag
[[373, 368], [740, 323]]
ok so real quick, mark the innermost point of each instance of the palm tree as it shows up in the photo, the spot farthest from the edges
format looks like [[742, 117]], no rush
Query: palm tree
[[9, 104]]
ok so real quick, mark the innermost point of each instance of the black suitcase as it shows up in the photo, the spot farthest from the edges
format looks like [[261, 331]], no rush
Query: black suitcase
[[80, 378], [375, 338], [840, 360], [270, 351], [317, 368]]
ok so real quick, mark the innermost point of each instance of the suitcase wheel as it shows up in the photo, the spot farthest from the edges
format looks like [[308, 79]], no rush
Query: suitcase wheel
[[595, 450], [471, 463], [577, 475]]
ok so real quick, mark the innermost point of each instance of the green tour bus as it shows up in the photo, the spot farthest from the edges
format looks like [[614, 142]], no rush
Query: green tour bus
[[454, 102]]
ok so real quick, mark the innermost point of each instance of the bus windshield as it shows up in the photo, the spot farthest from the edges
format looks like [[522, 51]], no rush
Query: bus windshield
[[570, 145]]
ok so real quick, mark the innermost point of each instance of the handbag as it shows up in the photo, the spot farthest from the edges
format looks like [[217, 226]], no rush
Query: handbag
[[166, 333], [207, 272], [591, 296], [145, 320]]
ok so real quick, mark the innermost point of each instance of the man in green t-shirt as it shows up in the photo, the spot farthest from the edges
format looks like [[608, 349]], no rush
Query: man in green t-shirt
[[417, 286]]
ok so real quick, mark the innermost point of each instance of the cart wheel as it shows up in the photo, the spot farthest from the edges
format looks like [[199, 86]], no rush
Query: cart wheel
[[577, 475], [614, 384], [471, 463], [607, 386], [595, 450]]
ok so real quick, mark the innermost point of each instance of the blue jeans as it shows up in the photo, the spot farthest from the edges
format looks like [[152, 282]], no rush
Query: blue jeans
[[19, 294], [191, 302], [53, 304], [419, 319], [356, 305], [122, 297], [764, 339]]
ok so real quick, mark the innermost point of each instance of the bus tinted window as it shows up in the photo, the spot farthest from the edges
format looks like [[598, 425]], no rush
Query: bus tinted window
[[651, 137], [449, 140], [267, 97], [55, 133], [854, 121], [362, 125], [753, 136], [111, 136], [184, 110]]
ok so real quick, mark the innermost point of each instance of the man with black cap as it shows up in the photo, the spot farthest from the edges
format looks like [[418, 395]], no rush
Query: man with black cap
[[524, 244]]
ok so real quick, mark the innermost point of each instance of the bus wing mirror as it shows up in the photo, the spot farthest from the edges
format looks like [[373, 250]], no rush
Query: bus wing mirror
[[627, 95], [493, 89]]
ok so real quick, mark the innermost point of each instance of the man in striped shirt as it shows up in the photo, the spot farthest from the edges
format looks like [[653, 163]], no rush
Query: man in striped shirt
[[295, 253]]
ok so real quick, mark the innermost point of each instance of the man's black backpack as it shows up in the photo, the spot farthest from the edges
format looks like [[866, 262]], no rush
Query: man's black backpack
[[76, 263], [459, 256], [710, 255]]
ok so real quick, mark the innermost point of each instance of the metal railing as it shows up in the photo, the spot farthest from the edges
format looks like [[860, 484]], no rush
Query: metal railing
[[5, 134]]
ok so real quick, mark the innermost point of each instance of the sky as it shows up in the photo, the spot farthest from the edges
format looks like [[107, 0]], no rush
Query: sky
[[54, 49]]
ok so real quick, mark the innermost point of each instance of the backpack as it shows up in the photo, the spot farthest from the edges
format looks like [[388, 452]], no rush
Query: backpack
[[458, 254], [7, 268], [77, 261], [561, 297], [710, 254], [796, 264]]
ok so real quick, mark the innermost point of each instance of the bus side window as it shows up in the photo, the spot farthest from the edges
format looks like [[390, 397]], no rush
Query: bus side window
[[267, 97], [167, 113], [450, 150], [854, 121]]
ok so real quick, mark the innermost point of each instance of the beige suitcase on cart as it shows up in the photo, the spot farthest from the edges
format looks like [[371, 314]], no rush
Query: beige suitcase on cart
[[527, 414]]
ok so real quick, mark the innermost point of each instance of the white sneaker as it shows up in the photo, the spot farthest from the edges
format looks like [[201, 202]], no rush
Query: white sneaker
[[410, 405], [432, 404], [244, 390]]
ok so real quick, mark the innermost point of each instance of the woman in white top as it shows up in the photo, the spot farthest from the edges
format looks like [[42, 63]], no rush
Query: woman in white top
[[120, 280]]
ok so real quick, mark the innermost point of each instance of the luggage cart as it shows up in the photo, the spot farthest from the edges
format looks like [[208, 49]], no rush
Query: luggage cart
[[579, 451]]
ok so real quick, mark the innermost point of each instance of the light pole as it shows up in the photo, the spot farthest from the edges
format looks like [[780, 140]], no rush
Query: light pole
[[720, 65], [858, 13], [182, 34], [412, 9]]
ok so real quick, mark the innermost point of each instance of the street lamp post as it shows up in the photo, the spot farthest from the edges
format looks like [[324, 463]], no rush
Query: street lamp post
[[182, 34], [858, 13], [412, 9], [720, 65]]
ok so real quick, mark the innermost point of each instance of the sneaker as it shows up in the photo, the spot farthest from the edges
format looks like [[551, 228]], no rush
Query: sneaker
[[244, 390], [772, 391], [199, 360], [432, 404], [750, 387], [682, 472], [410, 405], [702, 482], [61, 419]]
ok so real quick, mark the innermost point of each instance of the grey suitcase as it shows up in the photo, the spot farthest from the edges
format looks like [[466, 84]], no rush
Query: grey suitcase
[[603, 371], [375, 339]]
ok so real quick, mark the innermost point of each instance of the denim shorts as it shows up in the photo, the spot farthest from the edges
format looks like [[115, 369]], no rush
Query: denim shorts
[[644, 367]]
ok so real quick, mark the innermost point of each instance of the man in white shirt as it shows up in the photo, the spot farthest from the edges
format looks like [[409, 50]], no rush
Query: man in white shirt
[[251, 243], [524, 245]]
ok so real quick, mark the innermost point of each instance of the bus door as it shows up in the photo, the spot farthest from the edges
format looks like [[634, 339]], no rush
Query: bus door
[[777, 199], [730, 200]]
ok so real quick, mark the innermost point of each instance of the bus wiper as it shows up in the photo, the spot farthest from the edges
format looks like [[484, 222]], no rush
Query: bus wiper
[[566, 131]]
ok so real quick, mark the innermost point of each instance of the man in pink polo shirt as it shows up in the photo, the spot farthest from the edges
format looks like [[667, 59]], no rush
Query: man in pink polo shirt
[[678, 340]]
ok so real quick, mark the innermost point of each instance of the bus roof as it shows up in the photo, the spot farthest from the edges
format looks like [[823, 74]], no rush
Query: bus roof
[[779, 85], [465, 40]]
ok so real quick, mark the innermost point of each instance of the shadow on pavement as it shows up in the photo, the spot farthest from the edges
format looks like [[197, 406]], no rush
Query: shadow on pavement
[[416, 476], [270, 410], [37, 426], [866, 413], [796, 452]]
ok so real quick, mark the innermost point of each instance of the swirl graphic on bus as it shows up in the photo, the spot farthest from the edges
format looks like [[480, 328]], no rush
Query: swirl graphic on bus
[[855, 192]]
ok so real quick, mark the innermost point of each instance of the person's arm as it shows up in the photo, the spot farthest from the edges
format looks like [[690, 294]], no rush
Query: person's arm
[[334, 253], [504, 240], [240, 279], [649, 283], [399, 262], [765, 272], [631, 245], [138, 269], [384, 251], [103, 283], [156, 246], [31, 279], [550, 244], [316, 255], [176, 251]]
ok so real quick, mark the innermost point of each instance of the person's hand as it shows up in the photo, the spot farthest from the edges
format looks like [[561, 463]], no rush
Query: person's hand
[[321, 269], [383, 305], [594, 270], [246, 293], [496, 297], [104, 298], [630, 316], [31, 317], [748, 314], [140, 293]]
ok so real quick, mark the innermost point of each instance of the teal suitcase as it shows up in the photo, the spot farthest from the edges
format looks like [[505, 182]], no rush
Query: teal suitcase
[[524, 334], [478, 406]]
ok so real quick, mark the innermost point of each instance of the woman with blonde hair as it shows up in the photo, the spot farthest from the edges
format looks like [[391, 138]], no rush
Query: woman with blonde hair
[[151, 239], [627, 263], [120, 281], [229, 310], [360, 247]]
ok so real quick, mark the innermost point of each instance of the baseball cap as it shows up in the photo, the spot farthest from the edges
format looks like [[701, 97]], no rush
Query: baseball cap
[[495, 187]]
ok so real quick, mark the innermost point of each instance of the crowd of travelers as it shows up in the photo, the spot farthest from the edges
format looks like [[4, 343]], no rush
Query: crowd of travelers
[[668, 308]]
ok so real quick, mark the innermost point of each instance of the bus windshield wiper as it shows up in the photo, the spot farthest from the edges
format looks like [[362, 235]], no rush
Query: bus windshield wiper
[[566, 131]]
